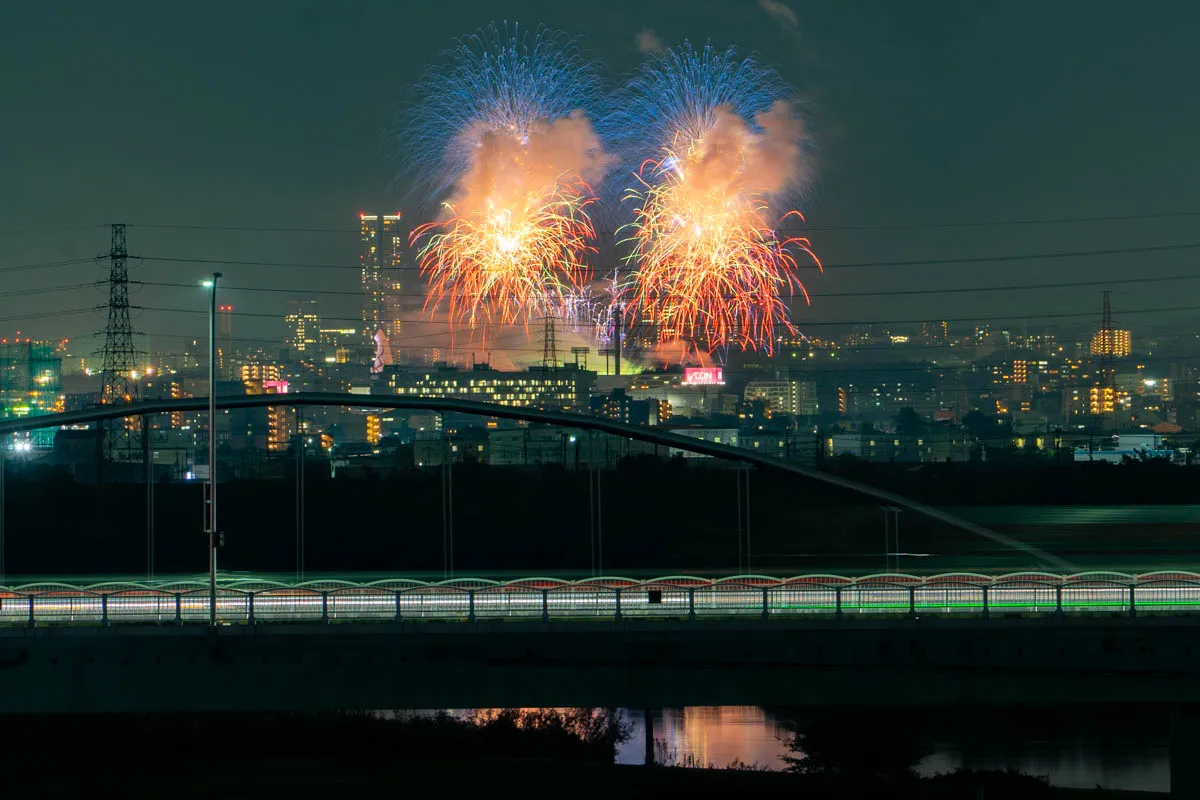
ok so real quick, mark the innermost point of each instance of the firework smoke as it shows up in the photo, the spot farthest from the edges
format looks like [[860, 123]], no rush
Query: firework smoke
[[725, 152], [514, 235]]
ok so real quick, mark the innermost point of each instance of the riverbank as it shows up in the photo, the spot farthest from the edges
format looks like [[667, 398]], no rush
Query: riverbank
[[229, 778], [329, 754]]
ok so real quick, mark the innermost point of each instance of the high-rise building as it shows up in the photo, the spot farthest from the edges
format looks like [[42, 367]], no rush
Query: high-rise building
[[225, 342], [30, 382], [802, 398], [337, 344], [304, 325], [176, 392], [1111, 342], [259, 372], [1102, 400], [382, 248], [566, 388], [775, 394], [619, 405], [785, 396], [393, 312], [1015, 371]]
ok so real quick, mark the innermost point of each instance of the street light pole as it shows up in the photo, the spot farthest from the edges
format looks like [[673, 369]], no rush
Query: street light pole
[[2, 509], [211, 285]]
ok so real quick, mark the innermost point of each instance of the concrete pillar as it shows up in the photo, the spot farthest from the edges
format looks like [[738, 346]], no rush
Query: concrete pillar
[[1185, 752], [648, 722]]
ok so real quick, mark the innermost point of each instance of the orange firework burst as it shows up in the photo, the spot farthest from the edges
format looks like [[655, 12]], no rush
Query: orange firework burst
[[507, 262], [711, 269]]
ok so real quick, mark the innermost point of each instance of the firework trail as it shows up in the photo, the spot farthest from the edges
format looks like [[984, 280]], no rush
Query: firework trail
[[518, 156], [720, 152]]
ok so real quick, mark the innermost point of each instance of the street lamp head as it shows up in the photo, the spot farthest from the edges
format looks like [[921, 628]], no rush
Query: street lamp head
[[207, 284]]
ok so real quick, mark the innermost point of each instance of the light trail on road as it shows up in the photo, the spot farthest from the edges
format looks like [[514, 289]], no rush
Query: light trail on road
[[252, 602]]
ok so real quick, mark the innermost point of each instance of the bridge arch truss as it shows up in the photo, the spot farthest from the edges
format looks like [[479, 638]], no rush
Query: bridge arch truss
[[646, 434]]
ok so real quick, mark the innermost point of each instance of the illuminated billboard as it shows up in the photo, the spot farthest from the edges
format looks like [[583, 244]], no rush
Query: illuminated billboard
[[703, 376]]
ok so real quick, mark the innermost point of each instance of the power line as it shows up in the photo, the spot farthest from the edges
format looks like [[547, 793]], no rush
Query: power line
[[905, 349], [899, 292], [43, 314], [249, 228], [822, 228], [932, 369], [49, 264], [929, 262], [48, 289], [1026, 287], [1007, 222], [811, 368], [802, 324], [51, 229]]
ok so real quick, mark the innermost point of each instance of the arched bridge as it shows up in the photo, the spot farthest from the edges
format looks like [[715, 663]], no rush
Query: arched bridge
[[651, 435]]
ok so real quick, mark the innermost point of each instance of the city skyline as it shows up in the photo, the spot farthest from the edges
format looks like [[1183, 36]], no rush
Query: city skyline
[[537, 353], [321, 300], [870, 172]]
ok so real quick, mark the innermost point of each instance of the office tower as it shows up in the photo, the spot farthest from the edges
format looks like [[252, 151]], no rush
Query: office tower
[[382, 243]]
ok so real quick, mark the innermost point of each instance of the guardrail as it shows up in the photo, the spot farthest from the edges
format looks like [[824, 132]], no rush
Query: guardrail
[[609, 598]]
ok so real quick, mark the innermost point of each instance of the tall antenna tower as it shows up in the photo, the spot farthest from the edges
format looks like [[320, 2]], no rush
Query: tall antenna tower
[[119, 357], [1108, 343], [618, 325], [549, 346]]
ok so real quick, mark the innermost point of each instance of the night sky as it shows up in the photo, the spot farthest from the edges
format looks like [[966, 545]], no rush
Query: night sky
[[277, 114]]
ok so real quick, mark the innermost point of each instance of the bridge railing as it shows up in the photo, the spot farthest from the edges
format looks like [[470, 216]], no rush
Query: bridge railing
[[1023, 595], [950, 597], [604, 598], [1164, 595]]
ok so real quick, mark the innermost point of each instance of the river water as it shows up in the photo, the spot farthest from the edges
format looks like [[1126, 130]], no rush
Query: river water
[[1072, 749]]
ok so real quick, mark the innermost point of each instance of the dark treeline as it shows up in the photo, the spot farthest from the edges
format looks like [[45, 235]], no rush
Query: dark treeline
[[834, 755], [654, 516], [571, 734]]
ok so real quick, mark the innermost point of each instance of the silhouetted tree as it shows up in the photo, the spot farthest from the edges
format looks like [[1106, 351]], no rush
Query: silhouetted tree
[[864, 747], [909, 423], [979, 424]]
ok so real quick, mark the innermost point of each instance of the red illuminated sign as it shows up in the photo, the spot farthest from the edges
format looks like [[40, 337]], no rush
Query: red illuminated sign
[[703, 376]]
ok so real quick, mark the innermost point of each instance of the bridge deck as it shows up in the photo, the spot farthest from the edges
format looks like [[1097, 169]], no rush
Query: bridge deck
[[249, 601]]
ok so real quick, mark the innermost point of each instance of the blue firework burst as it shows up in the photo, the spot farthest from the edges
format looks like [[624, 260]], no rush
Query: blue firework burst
[[676, 95], [495, 80]]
